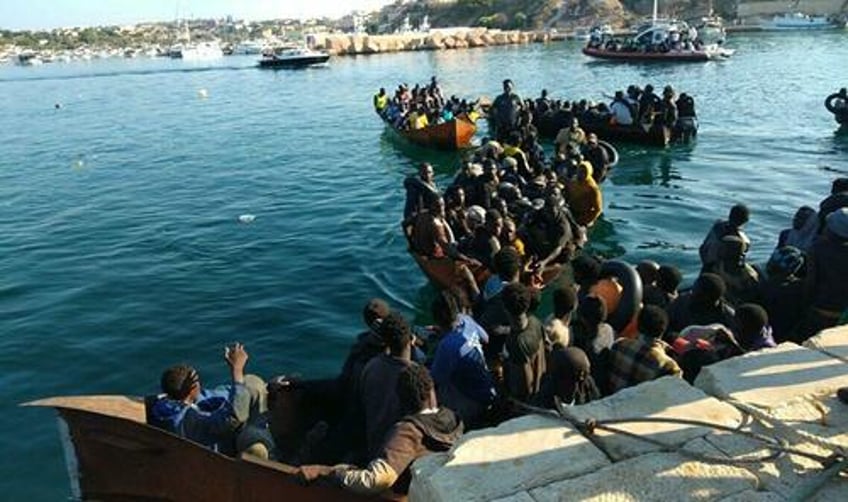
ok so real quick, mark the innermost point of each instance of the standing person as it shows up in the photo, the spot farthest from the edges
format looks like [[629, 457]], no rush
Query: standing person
[[425, 428], [838, 198], [826, 286], [505, 111], [648, 104], [381, 102], [668, 108], [572, 135], [620, 108], [421, 190], [597, 155], [687, 119], [584, 196], [382, 409], [525, 347], [710, 248], [463, 381], [633, 361], [214, 418]]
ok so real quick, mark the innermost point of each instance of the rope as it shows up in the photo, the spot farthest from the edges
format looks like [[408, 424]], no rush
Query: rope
[[588, 428]]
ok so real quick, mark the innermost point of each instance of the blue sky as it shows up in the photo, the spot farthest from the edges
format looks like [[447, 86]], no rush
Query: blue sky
[[46, 14]]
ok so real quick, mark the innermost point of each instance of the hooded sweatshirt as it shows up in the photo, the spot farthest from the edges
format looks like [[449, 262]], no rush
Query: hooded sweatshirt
[[414, 436], [584, 198]]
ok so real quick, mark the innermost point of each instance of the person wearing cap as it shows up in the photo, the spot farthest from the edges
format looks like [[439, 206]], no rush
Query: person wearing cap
[[703, 305], [826, 287], [212, 417], [782, 292], [597, 156], [584, 196], [710, 248]]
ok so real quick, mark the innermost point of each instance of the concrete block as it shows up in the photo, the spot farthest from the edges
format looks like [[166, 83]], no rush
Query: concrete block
[[754, 496], [655, 476], [833, 342], [516, 456], [668, 397], [781, 475], [771, 378], [518, 497]]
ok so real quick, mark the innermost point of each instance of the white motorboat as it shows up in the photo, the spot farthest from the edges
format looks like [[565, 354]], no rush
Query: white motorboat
[[798, 21], [299, 57]]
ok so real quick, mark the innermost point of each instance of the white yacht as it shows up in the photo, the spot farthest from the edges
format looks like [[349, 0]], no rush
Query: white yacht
[[196, 51], [798, 21], [249, 47]]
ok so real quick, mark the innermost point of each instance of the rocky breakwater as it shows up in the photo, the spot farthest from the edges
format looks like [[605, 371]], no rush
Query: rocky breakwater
[[346, 44]]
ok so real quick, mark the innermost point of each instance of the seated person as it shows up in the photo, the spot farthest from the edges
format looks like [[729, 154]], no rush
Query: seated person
[[704, 304], [569, 378], [753, 330], [426, 428], [741, 279], [644, 358], [214, 418]]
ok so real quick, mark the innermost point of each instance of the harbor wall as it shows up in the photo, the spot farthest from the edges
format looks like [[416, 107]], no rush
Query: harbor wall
[[749, 8], [456, 38]]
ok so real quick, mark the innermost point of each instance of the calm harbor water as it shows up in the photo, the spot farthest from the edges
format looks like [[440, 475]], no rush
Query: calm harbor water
[[121, 251]]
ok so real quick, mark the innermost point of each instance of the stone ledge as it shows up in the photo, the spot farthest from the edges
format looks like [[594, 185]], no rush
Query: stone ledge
[[833, 342], [770, 378], [667, 397], [655, 476], [516, 456]]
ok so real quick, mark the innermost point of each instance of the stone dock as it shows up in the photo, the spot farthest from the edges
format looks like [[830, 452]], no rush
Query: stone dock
[[458, 38], [787, 393]]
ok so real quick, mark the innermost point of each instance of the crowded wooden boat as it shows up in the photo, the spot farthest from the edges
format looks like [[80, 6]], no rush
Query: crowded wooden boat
[[425, 117]]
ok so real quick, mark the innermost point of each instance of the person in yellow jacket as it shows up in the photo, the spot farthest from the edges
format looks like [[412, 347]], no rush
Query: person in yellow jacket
[[584, 196], [381, 101]]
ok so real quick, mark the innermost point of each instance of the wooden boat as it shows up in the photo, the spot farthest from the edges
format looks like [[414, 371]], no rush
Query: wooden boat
[[549, 125], [113, 455], [453, 135]]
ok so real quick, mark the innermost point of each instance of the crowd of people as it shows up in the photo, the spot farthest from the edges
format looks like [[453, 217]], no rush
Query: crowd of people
[[512, 218], [421, 106], [634, 106], [672, 38]]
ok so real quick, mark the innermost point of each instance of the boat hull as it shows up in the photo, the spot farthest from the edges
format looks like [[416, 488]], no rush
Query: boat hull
[[549, 126], [115, 456], [453, 135], [648, 57], [301, 62]]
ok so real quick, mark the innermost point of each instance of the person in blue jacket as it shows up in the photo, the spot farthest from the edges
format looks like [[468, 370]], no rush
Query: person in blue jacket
[[214, 418]]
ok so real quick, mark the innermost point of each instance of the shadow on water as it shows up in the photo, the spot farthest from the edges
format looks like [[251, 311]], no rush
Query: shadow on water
[[651, 166], [443, 161]]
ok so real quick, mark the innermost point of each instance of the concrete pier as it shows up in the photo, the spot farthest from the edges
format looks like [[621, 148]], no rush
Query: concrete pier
[[787, 392]]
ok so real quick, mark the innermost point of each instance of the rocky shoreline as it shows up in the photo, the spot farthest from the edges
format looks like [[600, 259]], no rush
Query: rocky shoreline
[[354, 44]]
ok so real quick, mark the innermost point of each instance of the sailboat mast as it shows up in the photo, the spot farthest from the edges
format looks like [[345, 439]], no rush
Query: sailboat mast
[[655, 12]]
